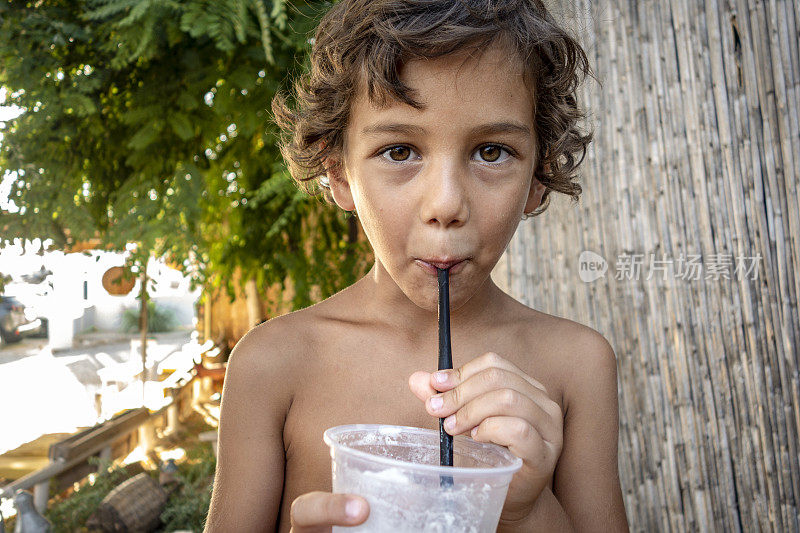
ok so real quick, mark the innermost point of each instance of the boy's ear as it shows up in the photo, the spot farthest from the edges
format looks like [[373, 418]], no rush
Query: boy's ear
[[340, 188], [536, 192]]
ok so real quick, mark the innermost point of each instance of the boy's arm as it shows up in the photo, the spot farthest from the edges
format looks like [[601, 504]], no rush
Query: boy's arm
[[547, 515], [248, 483], [586, 492], [586, 480]]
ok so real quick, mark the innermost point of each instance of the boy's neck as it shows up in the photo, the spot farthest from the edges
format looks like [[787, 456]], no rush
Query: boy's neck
[[386, 301]]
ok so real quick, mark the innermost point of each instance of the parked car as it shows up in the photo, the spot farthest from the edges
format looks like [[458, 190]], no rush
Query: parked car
[[41, 331], [14, 325]]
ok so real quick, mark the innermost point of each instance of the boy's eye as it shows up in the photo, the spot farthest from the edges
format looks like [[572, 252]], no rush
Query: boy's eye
[[398, 153], [491, 153]]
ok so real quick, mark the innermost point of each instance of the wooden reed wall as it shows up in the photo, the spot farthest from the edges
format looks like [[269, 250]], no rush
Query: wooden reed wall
[[696, 158]]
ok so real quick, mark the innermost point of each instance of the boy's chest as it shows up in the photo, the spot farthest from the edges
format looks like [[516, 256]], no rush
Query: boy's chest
[[373, 395], [365, 388]]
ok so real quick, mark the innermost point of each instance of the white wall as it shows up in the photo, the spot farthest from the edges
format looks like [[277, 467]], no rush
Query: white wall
[[67, 308]]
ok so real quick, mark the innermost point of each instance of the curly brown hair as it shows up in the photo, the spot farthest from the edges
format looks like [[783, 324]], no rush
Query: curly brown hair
[[366, 42]]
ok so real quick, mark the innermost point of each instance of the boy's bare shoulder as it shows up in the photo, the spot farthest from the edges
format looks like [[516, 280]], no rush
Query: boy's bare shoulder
[[282, 342], [275, 341], [584, 341], [570, 350], [267, 357], [571, 341], [579, 354]]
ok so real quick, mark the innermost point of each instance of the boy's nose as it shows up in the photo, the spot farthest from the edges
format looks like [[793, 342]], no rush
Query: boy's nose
[[444, 197]]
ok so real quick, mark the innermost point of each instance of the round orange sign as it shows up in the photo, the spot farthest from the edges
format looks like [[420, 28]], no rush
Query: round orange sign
[[115, 284]]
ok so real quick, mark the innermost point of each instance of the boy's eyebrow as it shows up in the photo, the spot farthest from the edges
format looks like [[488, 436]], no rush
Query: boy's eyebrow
[[483, 129]]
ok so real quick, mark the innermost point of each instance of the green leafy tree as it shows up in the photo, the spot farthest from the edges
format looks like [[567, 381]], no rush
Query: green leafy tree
[[146, 122]]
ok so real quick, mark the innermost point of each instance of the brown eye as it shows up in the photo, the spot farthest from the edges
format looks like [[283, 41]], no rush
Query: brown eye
[[399, 153], [490, 153]]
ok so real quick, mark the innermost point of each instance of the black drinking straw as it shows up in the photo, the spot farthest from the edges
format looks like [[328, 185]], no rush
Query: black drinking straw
[[445, 363]]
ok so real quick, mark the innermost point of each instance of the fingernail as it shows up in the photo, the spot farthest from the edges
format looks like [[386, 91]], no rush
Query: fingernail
[[436, 403], [352, 508], [450, 422], [440, 377], [473, 432]]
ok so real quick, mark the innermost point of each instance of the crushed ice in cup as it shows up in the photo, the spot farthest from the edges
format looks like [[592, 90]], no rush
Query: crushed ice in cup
[[396, 469]]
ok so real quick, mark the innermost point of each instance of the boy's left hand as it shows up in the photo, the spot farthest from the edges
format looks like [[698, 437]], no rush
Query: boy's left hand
[[492, 400]]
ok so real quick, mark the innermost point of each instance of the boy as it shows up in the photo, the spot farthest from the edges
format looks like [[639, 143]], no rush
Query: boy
[[440, 124]]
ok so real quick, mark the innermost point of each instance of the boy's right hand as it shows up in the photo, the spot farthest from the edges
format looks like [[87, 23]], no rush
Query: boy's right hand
[[316, 512]]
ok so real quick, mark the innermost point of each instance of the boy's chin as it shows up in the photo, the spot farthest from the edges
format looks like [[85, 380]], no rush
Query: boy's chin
[[430, 302], [427, 304]]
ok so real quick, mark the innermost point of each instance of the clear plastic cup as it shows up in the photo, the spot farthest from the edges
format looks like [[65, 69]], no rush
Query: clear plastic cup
[[396, 469]]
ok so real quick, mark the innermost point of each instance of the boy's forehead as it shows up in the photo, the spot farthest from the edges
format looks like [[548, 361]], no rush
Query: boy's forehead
[[495, 60], [487, 83]]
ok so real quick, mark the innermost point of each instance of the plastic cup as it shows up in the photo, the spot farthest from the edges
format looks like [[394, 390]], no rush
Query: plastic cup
[[396, 469]]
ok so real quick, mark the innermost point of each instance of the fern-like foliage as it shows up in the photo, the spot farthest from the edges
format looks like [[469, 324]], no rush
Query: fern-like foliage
[[138, 24]]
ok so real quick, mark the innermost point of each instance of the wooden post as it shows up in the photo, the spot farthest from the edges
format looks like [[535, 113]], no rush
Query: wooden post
[[254, 308], [41, 493], [98, 404], [173, 412], [105, 453], [146, 439], [197, 390], [143, 327], [206, 316]]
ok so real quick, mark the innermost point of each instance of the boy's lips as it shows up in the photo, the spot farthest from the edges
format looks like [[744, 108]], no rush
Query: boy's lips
[[431, 265]]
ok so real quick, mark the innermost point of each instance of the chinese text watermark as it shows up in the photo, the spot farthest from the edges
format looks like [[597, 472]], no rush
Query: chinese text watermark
[[686, 267]]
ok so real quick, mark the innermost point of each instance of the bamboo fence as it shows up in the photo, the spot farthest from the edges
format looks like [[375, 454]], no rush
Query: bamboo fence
[[691, 197]]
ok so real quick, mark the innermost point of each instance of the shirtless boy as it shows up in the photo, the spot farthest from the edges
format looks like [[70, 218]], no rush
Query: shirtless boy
[[440, 128]]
